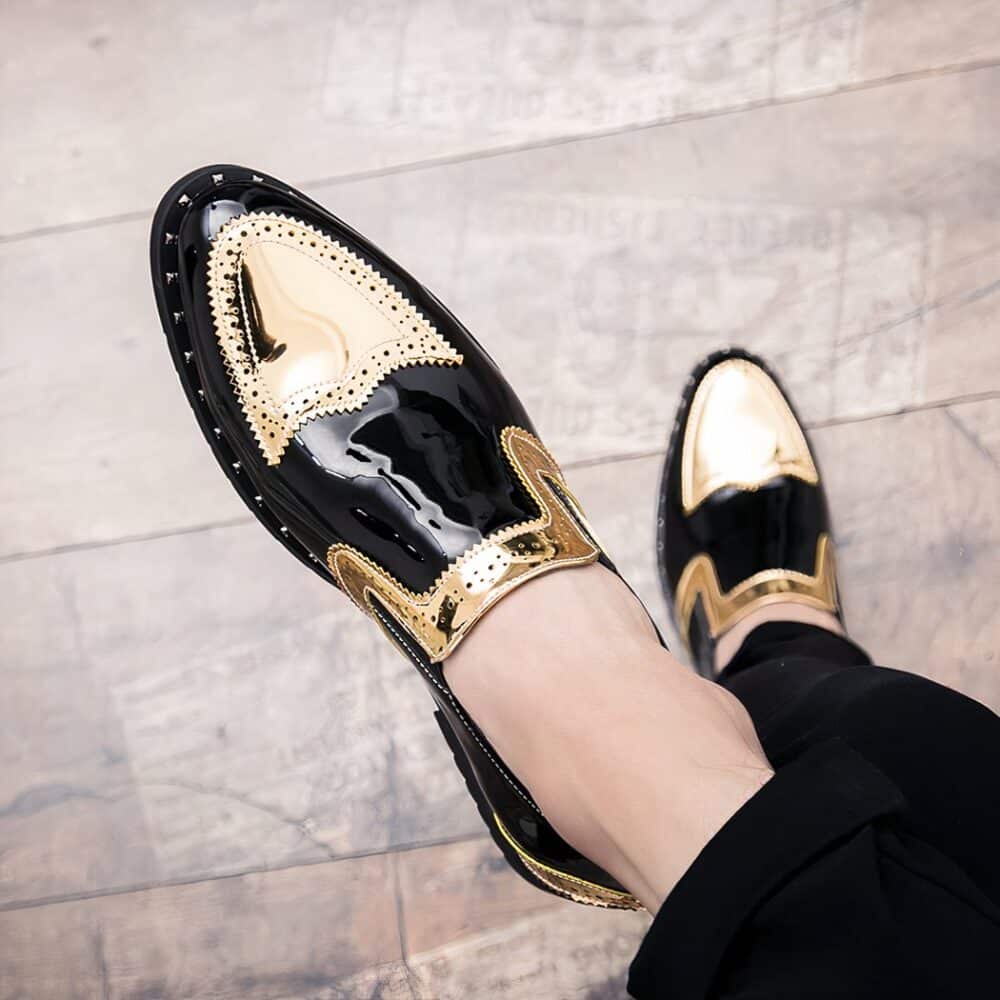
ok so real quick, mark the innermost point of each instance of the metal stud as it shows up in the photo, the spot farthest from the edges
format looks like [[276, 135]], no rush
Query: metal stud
[[258, 500], [237, 466], [201, 394], [183, 200], [313, 557], [284, 530], [171, 277], [217, 431], [170, 238], [218, 178], [188, 355], [257, 179], [178, 317]]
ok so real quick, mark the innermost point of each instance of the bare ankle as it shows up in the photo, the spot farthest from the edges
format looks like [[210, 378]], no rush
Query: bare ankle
[[730, 642], [646, 805], [636, 761]]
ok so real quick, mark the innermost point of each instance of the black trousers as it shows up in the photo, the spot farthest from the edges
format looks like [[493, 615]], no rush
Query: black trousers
[[869, 866]]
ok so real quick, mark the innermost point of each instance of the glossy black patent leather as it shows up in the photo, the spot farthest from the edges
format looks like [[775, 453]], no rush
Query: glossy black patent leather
[[413, 479], [744, 531]]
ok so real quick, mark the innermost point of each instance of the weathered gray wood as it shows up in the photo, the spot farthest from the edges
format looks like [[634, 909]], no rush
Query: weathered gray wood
[[898, 37], [70, 814], [106, 104], [962, 323], [474, 928], [313, 932], [453, 891], [854, 248], [202, 704], [915, 502]]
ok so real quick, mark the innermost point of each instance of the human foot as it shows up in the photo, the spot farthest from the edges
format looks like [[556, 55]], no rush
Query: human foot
[[634, 759]]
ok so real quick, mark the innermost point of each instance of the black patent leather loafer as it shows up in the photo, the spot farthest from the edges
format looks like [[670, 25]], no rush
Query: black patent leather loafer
[[375, 439], [743, 519]]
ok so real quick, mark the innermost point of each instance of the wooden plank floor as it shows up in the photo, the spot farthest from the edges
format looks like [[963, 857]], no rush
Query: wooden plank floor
[[214, 778]]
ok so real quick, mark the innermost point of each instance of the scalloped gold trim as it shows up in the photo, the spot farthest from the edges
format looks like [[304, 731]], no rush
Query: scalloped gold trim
[[770, 586], [577, 889], [442, 615], [306, 327]]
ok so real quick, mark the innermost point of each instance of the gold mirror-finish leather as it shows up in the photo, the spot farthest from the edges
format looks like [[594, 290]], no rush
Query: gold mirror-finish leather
[[275, 285], [741, 433], [770, 586], [441, 616], [577, 889]]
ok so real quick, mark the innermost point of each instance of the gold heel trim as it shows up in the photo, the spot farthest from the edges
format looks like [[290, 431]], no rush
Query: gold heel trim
[[443, 614], [577, 889], [771, 586]]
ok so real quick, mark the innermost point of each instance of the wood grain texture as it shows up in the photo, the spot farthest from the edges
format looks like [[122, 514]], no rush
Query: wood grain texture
[[454, 891], [109, 102], [915, 502], [574, 953], [897, 37], [473, 928], [963, 316], [320, 931], [853, 249]]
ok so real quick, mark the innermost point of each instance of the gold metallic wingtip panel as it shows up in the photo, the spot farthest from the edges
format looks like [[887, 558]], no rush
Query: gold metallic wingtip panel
[[577, 889], [442, 615], [770, 586], [305, 327], [740, 433]]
